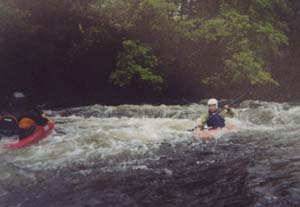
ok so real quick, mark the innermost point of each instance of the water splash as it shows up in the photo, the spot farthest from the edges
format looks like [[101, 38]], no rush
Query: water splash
[[99, 140]]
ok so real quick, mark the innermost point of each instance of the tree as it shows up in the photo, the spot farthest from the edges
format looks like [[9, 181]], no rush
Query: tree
[[136, 65], [248, 41]]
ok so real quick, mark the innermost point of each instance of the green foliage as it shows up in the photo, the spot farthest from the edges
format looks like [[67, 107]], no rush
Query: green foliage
[[247, 45], [125, 15], [213, 42], [245, 67], [136, 64]]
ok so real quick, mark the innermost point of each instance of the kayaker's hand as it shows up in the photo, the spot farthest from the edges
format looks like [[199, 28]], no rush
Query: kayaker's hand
[[226, 107], [45, 116], [43, 121], [201, 126]]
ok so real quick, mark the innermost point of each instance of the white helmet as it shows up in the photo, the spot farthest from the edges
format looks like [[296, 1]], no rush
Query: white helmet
[[213, 102], [18, 95]]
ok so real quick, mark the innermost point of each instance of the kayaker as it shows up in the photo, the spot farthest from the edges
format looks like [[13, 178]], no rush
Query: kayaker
[[215, 118], [21, 117]]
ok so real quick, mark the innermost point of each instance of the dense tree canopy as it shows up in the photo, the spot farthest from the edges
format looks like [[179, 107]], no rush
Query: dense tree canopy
[[131, 49]]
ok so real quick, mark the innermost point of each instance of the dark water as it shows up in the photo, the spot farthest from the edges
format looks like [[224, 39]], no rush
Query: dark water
[[141, 156]]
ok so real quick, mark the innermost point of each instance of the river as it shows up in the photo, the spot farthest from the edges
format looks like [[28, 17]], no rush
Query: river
[[143, 156]]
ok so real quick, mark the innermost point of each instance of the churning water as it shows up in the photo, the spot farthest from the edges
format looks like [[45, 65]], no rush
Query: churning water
[[144, 156]]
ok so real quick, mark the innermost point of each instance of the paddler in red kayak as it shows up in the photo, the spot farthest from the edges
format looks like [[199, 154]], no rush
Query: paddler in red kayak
[[20, 118], [215, 118]]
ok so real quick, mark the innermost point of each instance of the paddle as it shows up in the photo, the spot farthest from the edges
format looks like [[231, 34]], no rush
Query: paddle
[[196, 127], [238, 98], [231, 103]]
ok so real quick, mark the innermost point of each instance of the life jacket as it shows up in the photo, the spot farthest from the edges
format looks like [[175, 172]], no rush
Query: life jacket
[[26, 123], [9, 126], [215, 120]]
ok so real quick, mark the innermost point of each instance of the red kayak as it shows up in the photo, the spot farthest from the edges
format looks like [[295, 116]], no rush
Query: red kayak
[[209, 134], [41, 132]]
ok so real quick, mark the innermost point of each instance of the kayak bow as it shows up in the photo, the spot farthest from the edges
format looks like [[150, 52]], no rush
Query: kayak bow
[[209, 134], [41, 132]]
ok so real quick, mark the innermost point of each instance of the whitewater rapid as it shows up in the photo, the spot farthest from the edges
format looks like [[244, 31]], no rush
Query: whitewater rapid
[[106, 140]]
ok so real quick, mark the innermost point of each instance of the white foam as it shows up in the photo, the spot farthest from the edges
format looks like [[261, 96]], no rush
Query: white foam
[[84, 139]]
